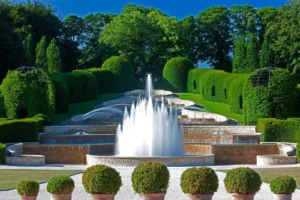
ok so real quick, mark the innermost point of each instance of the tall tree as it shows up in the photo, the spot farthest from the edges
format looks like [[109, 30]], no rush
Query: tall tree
[[252, 55], [239, 56], [53, 58], [266, 57], [29, 49], [267, 17], [73, 27], [40, 55], [214, 37]]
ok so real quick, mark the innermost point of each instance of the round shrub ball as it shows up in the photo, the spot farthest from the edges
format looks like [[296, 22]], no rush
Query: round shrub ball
[[101, 179], [242, 181], [176, 72], [283, 185], [150, 177], [46, 120], [28, 188], [122, 71], [203, 180], [60, 185]]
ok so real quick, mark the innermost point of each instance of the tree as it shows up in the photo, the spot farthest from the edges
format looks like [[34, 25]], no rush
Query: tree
[[29, 48], [266, 55], [266, 17], [40, 53], [239, 56], [252, 55], [74, 28], [53, 58], [214, 37]]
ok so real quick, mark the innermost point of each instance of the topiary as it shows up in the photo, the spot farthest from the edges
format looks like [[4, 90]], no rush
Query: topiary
[[123, 73], [176, 72], [28, 188], [201, 180], [60, 184], [150, 177], [101, 179], [283, 185], [2, 107], [298, 152], [46, 120], [242, 181], [2, 152]]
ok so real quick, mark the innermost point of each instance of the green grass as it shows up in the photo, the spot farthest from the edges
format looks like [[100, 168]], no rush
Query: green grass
[[83, 107], [214, 107], [268, 174], [10, 177]]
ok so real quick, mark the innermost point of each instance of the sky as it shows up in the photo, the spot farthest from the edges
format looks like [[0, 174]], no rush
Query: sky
[[175, 8]]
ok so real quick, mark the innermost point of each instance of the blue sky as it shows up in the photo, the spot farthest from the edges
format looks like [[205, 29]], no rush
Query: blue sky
[[177, 8]]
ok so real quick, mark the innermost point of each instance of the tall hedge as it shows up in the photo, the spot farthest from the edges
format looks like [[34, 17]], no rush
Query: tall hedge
[[275, 130], [2, 108], [2, 153], [194, 77], [24, 130], [123, 73], [235, 94], [27, 94], [82, 86], [176, 72], [105, 80], [61, 92], [277, 99]]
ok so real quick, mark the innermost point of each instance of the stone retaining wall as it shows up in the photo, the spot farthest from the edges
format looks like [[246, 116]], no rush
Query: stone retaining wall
[[266, 160], [92, 129], [221, 139], [26, 160], [77, 139], [246, 130]]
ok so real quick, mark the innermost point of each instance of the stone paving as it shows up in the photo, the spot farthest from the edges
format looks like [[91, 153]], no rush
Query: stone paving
[[126, 192]]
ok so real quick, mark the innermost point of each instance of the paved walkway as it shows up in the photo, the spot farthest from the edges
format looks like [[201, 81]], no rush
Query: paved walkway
[[126, 192]]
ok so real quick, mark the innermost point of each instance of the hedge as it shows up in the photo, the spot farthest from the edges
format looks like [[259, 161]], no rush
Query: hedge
[[235, 94], [24, 130], [61, 92], [2, 153], [298, 152], [2, 108], [82, 86], [176, 72], [276, 99], [27, 94], [194, 77], [123, 73], [275, 130], [105, 80]]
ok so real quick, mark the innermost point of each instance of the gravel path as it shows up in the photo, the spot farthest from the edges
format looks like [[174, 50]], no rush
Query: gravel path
[[126, 192]]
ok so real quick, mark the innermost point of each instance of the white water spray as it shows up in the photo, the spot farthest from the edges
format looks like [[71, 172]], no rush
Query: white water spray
[[149, 130]]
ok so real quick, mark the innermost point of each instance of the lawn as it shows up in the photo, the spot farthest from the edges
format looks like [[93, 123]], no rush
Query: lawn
[[10, 177], [214, 107], [268, 174], [83, 107]]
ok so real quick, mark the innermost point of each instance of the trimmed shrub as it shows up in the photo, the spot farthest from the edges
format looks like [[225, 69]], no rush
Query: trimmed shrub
[[24, 130], [203, 180], [122, 71], [27, 94], [2, 107], [150, 177], [105, 80], [275, 130], [28, 188], [82, 86], [275, 99], [283, 185], [2, 153], [235, 94], [194, 77], [46, 120], [60, 184], [242, 181], [298, 152], [176, 72], [101, 179], [61, 93]]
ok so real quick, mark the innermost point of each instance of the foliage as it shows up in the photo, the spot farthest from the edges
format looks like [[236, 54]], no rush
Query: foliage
[[298, 152], [266, 55], [242, 181], [283, 185], [193, 82], [105, 80], [28, 188], [239, 56], [53, 58], [203, 180], [2, 153], [2, 107], [40, 53], [60, 184], [176, 73], [46, 120], [122, 71], [235, 94], [27, 94], [61, 93], [29, 48], [252, 55], [24, 130], [150, 177], [101, 179]]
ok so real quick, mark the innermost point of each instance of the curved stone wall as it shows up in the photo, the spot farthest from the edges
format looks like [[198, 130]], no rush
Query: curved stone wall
[[265, 160], [204, 115]]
